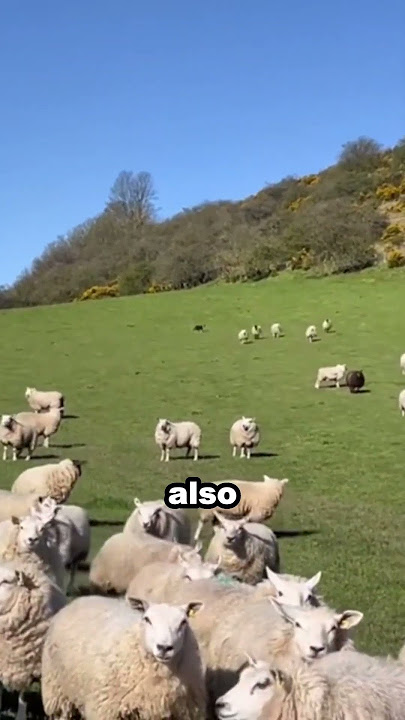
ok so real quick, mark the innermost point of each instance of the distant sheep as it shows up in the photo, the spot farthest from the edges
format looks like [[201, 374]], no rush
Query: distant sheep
[[311, 333], [56, 480], [401, 402], [258, 502], [155, 518], [18, 437], [327, 325], [355, 380], [45, 424], [276, 330], [256, 332], [243, 336], [199, 328], [169, 435], [244, 435], [402, 363], [333, 373], [40, 400]]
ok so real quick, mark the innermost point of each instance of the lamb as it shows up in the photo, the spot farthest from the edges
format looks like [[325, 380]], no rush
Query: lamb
[[17, 436], [256, 332], [401, 402], [341, 686], [154, 517], [40, 400], [45, 424], [107, 659], [327, 325], [276, 330], [28, 600], [243, 336], [169, 435], [124, 554], [244, 434], [311, 333], [355, 380], [333, 373], [18, 505], [56, 480], [402, 363], [258, 502], [243, 549]]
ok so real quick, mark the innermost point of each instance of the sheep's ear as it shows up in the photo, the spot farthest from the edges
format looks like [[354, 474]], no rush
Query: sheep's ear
[[266, 478], [15, 520], [349, 619], [137, 502], [251, 660], [313, 581], [138, 604], [271, 575], [284, 481], [192, 608]]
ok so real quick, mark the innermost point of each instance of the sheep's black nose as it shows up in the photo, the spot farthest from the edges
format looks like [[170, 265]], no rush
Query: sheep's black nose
[[164, 648], [316, 650]]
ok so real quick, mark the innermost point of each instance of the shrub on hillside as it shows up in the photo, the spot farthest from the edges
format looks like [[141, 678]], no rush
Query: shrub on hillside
[[393, 235], [395, 258], [363, 154], [97, 292], [135, 280]]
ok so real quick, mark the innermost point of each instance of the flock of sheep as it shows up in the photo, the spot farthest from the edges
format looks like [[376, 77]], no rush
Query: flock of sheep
[[167, 633]]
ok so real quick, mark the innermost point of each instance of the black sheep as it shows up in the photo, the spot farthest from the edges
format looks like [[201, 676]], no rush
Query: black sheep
[[355, 380]]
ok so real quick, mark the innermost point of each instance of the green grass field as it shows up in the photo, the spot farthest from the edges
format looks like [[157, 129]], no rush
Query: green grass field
[[123, 363]]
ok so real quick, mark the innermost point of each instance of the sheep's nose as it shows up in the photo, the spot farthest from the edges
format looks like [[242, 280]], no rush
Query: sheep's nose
[[164, 649], [220, 704], [316, 649]]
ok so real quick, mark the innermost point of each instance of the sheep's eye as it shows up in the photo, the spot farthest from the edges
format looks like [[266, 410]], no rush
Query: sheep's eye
[[183, 623], [333, 628], [297, 625], [280, 594], [260, 685], [146, 619]]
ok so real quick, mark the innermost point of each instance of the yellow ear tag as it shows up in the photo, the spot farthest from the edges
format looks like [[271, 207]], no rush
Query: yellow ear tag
[[192, 613]]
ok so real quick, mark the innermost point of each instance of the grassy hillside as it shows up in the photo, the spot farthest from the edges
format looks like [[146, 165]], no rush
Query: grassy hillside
[[123, 363]]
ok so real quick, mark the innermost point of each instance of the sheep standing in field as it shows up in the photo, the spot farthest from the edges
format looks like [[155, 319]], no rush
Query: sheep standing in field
[[45, 424], [185, 434], [258, 502], [28, 600], [243, 336], [55, 480], [402, 363], [243, 550], [155, 518], [327, 325], [311, 333], [276, 330], [341, 686], [245, 435], [40, 400], [108, 658], [17, 436], [401, 402], [355, 380], [333, 373], [256, 332]]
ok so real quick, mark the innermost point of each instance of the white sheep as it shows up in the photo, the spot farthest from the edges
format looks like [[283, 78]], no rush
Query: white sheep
[[292, 589], [171, 575], [243, 336], [54, 479], [40, 400], [18, 437], [185, 434], [45, 424], [18, 505], [245, 435], [327, 325], [276, 330], [256, 332], [402, 363], [341, 686], [28, 600], [106, 658], [401, 402], [332, 374], [311, 333], [154, 517], [258, 502], [243, 550]]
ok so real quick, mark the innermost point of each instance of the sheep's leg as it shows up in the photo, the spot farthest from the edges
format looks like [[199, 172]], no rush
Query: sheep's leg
[[4, 452], [188, 450], [198, 530], [162, 454], [403, 412], [22, 708], [234, 451], [46, 442], [242, 451], [248, 452], [14, 454], [70, 585], [28, 457], [337, 384], [167, 453], [195, 453]]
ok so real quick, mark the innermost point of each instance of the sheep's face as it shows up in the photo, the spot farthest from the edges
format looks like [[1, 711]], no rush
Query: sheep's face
[[319, 630], [249, 425], [164, 426], [164, 627], [28, 392], [6, 421], [148, 517], [294, 592], [341, 369], [256, 686], [198, 571], [232, 530], [30, 531]]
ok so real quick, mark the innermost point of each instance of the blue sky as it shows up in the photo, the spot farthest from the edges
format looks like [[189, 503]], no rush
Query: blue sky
[[214, 99]]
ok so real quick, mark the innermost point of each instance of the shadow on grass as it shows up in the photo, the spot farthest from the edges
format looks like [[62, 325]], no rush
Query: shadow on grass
[[71, 417], [363, 391], [45, 457], [295, 533], [106, 523], [68, 447], [317, 339], [200, 457], [264, 454]]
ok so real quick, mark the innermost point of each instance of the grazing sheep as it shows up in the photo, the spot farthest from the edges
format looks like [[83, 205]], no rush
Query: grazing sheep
[[258, 502], [169, 435], [243, 550], [327, 325], [244, 434], [355, 380], [18, 505], [45, 424], [402, 363], [17, 436], [171, 575], [28, 600], [401, 402], [40, 400], [243, 336], [55, 480], [155, 518], [311, 333], [340, 686], [108, 659], [276, 330], [256, 332], [333, 373]]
